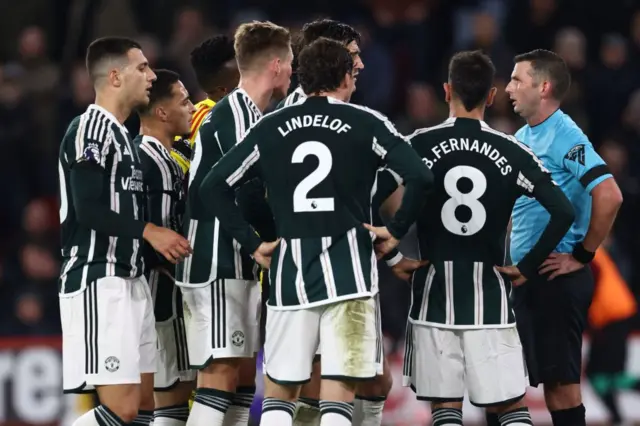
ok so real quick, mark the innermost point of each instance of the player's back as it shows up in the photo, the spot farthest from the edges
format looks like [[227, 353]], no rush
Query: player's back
[[318, 159], [324, 189], [462, 229]]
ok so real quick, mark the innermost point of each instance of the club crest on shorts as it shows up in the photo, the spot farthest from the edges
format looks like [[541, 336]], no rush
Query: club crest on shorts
[[112, 364], [237, 338]]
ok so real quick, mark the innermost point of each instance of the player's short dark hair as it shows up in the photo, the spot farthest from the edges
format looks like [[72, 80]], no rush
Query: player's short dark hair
[[549, 65], [208, 59], [257, 39], [107, 48], [160, 89], [328, 28], [471, 76], [322, 65]]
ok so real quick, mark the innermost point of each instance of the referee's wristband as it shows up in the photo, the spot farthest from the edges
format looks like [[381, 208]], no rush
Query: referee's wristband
[[582, 255]]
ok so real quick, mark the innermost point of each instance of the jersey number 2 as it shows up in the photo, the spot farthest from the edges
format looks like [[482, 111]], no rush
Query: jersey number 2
[[469, 199], [301, 202]]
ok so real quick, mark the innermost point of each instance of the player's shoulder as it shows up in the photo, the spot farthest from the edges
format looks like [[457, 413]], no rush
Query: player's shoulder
[[428, 133]]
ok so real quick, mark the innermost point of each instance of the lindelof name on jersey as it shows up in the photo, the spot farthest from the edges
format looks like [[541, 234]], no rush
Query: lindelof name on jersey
[[134, 182], [317, 120], [465, 144]]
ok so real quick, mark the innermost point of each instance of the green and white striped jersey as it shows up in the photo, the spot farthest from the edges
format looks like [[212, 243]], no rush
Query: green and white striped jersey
[[292, 98], [479, 174], [318, 159], [96, 136], [215, 253]]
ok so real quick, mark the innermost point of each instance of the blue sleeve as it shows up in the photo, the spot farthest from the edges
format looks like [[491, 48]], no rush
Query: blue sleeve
[[583, 162]]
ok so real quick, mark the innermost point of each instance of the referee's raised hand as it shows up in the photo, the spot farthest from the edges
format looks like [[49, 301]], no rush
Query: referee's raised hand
[[173, 246]]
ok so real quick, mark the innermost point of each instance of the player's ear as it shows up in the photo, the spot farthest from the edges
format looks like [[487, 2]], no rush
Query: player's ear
[[115, 77], [491, 96], [161, 113], [447, 92]]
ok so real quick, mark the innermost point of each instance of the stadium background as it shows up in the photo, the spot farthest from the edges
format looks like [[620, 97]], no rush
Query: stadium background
[[405, 46]]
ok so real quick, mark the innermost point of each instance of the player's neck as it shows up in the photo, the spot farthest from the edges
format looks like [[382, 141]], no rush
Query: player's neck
[[149, 129], [545, 111], [258, 90], [114, 106], [337, 94], [459, 111]]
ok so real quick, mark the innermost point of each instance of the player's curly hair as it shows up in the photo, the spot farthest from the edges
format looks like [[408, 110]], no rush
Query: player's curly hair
[[471, 77], [208, 59], [323, 64], [160, 89]]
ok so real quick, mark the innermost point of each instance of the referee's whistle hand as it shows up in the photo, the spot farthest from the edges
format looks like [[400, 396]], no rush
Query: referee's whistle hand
[[513, 273]]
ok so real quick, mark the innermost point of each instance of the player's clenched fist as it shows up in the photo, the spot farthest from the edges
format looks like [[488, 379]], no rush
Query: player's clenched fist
[[173, 246]]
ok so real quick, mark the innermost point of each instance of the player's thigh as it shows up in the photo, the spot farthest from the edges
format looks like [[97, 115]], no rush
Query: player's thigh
[[291, 340], [494, 366], [437, 371], [348, 339], [560, 319], [113, 319]]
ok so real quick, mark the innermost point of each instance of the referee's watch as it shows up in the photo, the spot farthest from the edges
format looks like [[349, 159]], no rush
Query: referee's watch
[[581, 254]]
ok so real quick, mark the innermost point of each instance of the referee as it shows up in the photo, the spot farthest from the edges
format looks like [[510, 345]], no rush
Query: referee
[[551, 309]]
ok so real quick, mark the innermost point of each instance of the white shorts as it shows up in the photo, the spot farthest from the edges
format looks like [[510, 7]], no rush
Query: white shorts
[[345, 331], [380, 356], [488, 363], [172, 360], [222, 320], [108, 334]]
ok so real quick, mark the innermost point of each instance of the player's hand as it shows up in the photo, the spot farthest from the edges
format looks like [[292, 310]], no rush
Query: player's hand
[[559, 264], [406, 267], [173, 246], [386, 242], [263, 253], [514, 274]]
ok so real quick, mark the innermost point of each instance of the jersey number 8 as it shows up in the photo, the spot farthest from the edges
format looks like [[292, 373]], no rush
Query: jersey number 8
[[301, 201], [469, 199]]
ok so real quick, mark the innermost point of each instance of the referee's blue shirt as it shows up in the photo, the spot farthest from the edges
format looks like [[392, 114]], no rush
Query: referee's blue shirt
[[574, 165]]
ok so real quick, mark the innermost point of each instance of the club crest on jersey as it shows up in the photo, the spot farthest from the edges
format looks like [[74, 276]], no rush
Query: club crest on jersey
[[92, 153], [112, 364], [576, 154]]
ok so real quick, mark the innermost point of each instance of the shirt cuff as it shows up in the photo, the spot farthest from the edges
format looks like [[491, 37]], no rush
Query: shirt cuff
[[394, 260]]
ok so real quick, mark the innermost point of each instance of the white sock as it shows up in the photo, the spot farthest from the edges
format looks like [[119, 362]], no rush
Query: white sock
[[100, 416], [367, 412], [209, 407], [336, 413], [175, 415], [276, 412], [307, 412], [238, 412]]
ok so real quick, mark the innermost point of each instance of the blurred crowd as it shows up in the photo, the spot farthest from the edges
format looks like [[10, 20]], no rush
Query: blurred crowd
[[405, 48]]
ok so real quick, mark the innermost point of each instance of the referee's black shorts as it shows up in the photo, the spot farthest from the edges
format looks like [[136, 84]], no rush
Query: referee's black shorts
[[551, 317]]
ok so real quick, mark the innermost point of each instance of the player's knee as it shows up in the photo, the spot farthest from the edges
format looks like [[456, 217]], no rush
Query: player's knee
[[562, 396], [220, 374], [247, 372]]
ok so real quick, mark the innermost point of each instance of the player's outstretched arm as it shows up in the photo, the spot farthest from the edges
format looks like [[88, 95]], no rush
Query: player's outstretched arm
[[87, 190], [217, 195]]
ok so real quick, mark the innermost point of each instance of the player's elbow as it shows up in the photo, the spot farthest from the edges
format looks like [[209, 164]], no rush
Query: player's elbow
[[426, 179]]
